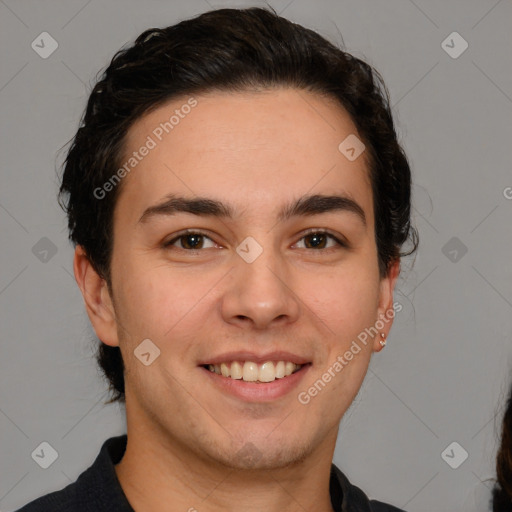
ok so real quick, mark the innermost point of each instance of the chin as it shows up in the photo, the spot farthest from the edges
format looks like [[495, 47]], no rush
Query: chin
[[265, 454]]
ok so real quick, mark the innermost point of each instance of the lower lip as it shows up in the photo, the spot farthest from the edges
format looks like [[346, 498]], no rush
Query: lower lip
[[254, 392]]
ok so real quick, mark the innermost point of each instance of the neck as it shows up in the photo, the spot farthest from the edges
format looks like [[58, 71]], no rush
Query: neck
[[158, 473]]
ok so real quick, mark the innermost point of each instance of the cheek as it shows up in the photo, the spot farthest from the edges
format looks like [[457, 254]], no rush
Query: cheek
[[151, 306], [158, 302], [348, 310], [346, 300]]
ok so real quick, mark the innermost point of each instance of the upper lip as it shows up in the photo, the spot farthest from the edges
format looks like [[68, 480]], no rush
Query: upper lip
[[244, 355]]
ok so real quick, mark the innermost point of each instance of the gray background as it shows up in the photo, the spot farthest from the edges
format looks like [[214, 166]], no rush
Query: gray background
[[446, 370]]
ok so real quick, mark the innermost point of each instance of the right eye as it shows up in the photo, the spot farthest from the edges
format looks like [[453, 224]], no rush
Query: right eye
[[189, 241]]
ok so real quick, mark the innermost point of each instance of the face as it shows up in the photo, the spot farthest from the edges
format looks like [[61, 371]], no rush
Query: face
[[268, 282]]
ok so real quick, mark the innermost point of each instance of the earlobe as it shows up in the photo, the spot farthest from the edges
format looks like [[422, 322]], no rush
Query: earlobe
[[386, 311], [98, 302]]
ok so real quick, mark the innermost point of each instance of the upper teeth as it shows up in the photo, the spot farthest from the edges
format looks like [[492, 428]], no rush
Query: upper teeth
[[252, 372]]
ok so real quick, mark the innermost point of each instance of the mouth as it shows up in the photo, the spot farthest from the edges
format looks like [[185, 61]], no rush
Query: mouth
[[254, 382], [250, 371]]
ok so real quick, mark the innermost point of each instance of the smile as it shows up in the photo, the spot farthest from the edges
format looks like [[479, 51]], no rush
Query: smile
[[252, 382], [250, 371]]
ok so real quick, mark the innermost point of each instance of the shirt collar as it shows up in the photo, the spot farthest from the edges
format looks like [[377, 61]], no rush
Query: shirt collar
[[346, 497]]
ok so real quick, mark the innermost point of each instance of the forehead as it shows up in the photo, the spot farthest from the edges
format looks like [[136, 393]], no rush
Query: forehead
[[254, 148]]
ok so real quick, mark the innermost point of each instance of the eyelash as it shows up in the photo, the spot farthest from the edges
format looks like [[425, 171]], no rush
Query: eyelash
[[341, 244]]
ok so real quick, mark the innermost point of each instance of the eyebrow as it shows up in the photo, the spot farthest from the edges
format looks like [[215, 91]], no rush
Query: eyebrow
[[304, 206]]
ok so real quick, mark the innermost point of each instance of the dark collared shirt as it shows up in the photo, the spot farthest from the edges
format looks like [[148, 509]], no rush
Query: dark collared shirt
[[98, 490]]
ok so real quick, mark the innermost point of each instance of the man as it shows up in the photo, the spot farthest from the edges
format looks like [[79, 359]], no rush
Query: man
[[238, 201]]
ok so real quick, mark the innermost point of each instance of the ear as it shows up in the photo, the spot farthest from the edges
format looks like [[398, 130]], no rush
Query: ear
[[97, 298], [385, 309]]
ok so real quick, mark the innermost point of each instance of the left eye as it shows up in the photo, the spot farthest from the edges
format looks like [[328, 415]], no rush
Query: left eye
[[319, 239], [193, 240]]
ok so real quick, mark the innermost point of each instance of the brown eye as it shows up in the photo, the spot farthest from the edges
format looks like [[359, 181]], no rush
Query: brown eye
[[189, 241], [319, 239], [316, 240]]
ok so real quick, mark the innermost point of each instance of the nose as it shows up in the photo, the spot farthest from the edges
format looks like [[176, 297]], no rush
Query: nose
[[261, 293]]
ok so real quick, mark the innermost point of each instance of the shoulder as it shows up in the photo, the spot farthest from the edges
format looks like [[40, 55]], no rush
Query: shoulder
[[346, 496], [96, 489], [57, 501]]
